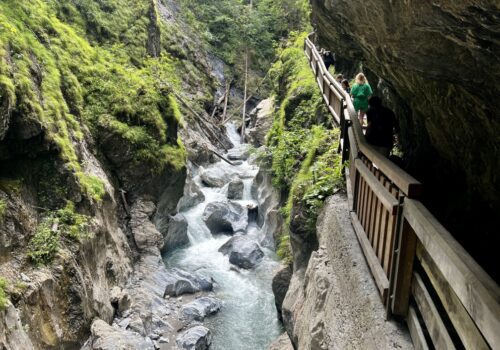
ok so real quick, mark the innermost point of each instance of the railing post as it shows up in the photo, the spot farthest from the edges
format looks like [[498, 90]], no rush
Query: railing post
[[402, 269]]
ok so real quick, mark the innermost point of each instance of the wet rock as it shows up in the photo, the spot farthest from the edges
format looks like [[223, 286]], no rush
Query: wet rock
[[235, 189], [195, 338], [261, 119], [281, 281], [192, 196], [243, 252], [146, 236], [198, 309], [225, 217], [236, 154], [214, 177], [177, 234], [181, 282], [12, 333], [106, 337]]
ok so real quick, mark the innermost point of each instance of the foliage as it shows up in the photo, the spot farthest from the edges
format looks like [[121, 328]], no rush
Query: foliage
[[3, 293], [305, 163], [71, 64], [62, 223]]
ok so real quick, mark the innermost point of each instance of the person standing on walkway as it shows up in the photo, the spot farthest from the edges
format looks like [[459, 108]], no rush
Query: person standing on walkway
[[346, 86], [381, 126], [361, 92], [328, 59]]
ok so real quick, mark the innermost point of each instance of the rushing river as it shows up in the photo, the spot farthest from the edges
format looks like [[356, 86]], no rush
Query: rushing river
[[248, 319]]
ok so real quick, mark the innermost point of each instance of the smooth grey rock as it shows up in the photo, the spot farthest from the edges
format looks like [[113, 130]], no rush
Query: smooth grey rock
[[235, 189], [214, 177], [106, 337], [195, 338], [192, 196], [146, 236], [181, 282], [281, 281], [225, 217], [282, 343], [198, 309], [261, 120], [243, 252], [177, 234], [237, 155]]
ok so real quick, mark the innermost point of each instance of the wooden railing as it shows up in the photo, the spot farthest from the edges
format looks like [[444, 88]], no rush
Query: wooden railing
[[422, 273]]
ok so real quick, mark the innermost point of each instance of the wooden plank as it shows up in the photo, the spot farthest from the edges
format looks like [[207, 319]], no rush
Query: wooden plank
[[437, 330], [334, 114], [349, 187], [378, 273], [416, 332], [465, 327], [378, 222], [403, 270], [479, 294], [371, 227], [383, 234], [389, 243], [384, 196], [369, 208], [409, 185]]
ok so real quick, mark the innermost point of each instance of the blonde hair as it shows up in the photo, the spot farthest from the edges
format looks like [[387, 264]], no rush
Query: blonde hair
[[361, 79]]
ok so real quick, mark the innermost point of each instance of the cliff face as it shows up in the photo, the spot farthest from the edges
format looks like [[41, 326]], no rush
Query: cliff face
[[440, 64]]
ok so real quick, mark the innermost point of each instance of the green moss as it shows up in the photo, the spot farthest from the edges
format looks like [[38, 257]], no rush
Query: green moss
[[3, 294], [11, 186], [62, 223], [93, 186], [305, 163]]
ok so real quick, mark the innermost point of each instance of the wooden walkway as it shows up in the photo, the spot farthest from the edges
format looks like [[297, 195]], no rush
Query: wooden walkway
[[422, 273]]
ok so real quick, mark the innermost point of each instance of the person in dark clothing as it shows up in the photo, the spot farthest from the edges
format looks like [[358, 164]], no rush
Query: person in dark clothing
[[381, 126], [328, 59], [346, 86]]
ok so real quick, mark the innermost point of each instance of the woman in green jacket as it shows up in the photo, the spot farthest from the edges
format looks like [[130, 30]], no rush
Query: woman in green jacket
[[361, 92]]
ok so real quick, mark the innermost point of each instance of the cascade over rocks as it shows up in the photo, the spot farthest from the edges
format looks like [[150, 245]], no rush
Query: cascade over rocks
[[243, 252], [177, 234], [192, 196], [195, 338], [200, 308], [225, 217]]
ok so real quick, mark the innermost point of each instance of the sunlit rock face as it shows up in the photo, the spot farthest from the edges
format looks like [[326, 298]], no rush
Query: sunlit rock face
[[440, 62]]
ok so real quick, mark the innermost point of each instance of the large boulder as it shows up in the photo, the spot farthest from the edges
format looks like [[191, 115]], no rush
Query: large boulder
[[182, 282], [243, 252], [192, 196], [237, 154], [281, 282], [282, 343], [235, 189], [225, 217], [177, 234], [200, 308], [146, 236], [261, 120], [195, 338], [214, 177], [106, 337]]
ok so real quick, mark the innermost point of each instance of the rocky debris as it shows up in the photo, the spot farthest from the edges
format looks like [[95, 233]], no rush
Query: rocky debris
[[192, 196], [105, 337], [177, 234], [282, 343], [181, 282], [261, 120], [225, 217], [198, 309], [281, 281], [195, 338], [119, 299], [243, 252], [235, 189], [214, 177], [146, 236]]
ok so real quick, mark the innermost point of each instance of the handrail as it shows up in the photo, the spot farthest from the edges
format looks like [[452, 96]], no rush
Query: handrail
[[421, 271], [404, 181]]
